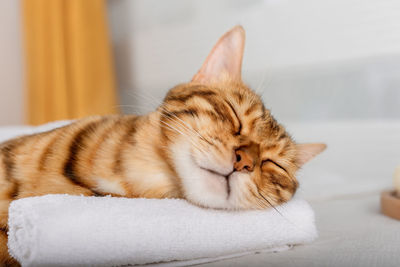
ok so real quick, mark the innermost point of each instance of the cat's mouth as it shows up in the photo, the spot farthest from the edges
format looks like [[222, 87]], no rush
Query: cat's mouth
[[217, 173], [226, 176], [212, 171], [223, 177]]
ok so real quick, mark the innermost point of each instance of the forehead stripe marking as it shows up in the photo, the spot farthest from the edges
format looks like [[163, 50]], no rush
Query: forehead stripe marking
[[237, 117], [184, 98]]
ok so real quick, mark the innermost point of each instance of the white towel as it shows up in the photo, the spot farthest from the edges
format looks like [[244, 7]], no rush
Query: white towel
[[62, 230]]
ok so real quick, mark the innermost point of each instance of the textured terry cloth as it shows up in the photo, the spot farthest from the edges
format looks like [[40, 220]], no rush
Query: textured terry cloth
[[62, 230]]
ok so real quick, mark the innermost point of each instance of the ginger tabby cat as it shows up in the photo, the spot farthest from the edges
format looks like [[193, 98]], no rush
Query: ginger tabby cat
[[211, 142]]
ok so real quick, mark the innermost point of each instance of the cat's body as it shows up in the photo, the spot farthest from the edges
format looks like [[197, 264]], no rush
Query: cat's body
[[88, 157], [211, 142]]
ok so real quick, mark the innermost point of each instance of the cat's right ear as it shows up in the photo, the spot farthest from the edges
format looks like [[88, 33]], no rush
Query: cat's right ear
[[306, 152], [225, 59]]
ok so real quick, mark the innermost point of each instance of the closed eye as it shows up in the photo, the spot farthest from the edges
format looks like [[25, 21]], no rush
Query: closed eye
[[273, 162]]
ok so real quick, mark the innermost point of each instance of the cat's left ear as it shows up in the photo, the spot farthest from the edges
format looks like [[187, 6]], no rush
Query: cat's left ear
[[305, 152], [225, 59]]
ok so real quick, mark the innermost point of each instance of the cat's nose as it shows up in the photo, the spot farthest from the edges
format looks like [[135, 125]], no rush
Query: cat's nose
[[243, 161]]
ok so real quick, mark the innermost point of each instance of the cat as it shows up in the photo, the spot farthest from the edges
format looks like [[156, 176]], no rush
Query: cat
[[211, 142]]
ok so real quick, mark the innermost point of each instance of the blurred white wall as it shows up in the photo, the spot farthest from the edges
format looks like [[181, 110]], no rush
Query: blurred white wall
[[11, 74], [311, 59]]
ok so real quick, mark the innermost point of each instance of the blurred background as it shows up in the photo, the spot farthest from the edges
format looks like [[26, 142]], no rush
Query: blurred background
[[311, 60]]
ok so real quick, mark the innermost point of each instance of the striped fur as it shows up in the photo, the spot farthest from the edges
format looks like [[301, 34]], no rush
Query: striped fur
[[194, 146]]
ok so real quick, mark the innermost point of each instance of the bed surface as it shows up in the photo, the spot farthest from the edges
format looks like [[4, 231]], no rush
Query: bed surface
[[352, 232], [343, 186]]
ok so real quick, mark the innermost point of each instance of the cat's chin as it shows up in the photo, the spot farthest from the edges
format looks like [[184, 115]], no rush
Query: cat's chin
[[213, 190], [201, 186]]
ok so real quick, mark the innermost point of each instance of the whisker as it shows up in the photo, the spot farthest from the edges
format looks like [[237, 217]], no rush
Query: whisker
[[183, 134], [145, 96], [286, 219], [170, 113], [159, 104], [189, 126], [269, 203]]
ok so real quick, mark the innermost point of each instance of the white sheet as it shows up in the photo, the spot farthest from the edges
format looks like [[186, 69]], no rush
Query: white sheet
[[353, 233]]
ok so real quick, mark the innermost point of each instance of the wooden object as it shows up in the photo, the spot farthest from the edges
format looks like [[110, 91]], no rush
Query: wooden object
[[390, 204]]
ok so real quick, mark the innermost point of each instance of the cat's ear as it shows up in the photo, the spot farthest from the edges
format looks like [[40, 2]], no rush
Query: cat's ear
[[305, 152], [225, 59]]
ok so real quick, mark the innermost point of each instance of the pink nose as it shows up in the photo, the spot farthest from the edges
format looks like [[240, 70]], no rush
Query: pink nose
[[243, 161]]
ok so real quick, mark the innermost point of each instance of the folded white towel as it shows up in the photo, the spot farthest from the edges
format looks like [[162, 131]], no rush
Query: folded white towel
[[62, 230]]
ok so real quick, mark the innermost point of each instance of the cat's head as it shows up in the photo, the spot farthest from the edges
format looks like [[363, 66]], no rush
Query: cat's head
[[227, 149]]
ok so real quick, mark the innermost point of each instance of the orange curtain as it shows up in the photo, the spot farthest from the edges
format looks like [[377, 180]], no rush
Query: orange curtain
[[69, 63]]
